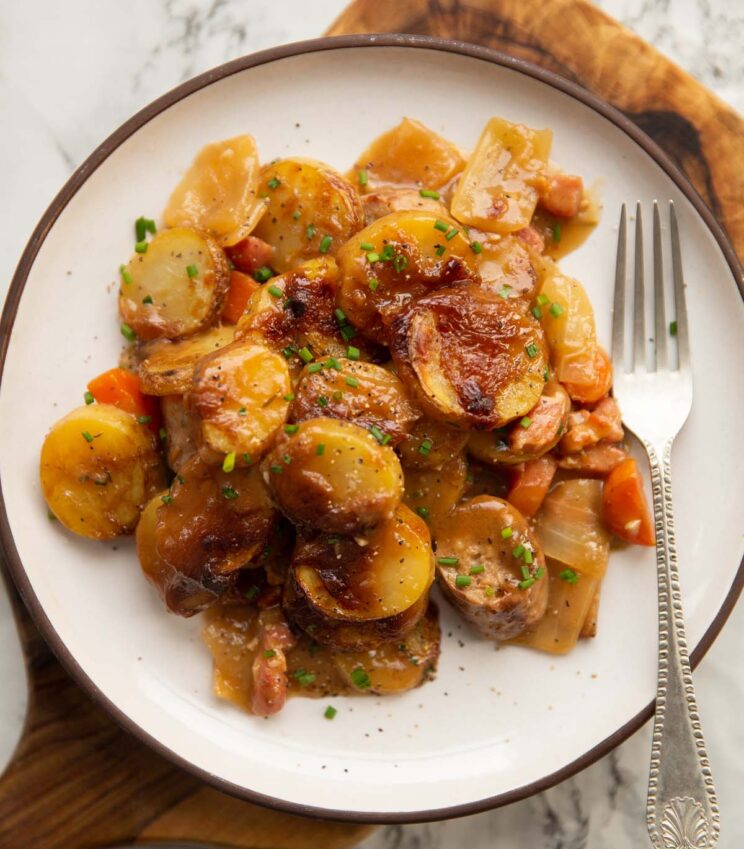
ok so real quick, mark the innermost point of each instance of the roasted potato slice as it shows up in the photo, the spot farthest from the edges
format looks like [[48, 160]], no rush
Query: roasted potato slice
[[431, 444], [491, 567], [470, 358], [182, 431], [219, 192], [98, 469], [240, 394], [408, 154], [329, 208], [498, 190], [397, 259], [396, 666], [167, 368], [531, 437], [399, 199], [432, 493], [363, 393], [175, 288], [505, 265], [203, 532], [335, 476]]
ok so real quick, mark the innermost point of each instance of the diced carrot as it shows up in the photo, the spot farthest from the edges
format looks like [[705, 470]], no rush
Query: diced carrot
[[624, 507], [250, 254], [241, 288], [121, 388], [531, 483], [589, 393], [563, 195]]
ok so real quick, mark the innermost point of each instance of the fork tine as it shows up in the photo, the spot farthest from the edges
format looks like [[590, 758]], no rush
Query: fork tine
[[680, 304], [660, 328], [639, 306], [618, 306]]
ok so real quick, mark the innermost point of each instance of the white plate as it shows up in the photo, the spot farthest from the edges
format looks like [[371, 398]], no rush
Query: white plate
[[495, 725]]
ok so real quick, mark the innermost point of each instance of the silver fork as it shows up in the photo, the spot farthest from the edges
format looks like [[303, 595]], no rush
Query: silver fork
[[655, 397]]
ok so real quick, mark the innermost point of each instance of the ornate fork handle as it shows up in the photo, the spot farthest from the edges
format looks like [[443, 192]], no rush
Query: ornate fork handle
[[682, 809]]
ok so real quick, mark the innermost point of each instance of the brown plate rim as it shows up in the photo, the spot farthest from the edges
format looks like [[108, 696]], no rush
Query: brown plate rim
[[99, 155]]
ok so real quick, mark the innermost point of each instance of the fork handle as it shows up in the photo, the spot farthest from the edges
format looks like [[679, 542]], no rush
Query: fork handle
[[682, 809]]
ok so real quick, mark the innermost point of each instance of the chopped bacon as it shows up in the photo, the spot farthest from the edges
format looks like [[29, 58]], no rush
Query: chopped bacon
[[250, 254], [563, 195], [547, 420], [598, 460], [588, 427], [270, 672], [531, 238]]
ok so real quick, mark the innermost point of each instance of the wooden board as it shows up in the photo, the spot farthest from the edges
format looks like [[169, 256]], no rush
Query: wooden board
[[574, 38]]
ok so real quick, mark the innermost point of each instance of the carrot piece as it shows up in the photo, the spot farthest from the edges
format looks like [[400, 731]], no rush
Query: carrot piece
[[624, 508], [593, 392], [241, 288], [531, 483], [250, 254], [121, 388]]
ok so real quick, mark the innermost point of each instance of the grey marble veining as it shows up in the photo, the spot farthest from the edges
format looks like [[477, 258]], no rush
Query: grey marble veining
[[71, 72]]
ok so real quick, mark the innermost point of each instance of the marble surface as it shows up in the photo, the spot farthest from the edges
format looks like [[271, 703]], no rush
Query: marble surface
[[71, 72]]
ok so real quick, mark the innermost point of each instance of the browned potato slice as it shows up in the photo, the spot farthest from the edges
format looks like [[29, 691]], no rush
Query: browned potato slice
[[409, 154], [431, 444], [505, 265], [239, 393], [528, 438], [219, 192], [396, 666], [98, 469], [396, 199], [498, 190], [335, 476], [497, 582], [432, 493], [358, 392], [167, 368], [182, 431], [177, 287], [397, 259], [199, 536], [471, 358], [328, 205]]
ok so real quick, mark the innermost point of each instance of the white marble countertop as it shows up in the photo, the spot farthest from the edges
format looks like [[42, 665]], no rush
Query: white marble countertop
[[71, 72]]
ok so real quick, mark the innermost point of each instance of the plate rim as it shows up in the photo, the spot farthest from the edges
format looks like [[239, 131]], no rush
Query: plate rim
[[48, 219]]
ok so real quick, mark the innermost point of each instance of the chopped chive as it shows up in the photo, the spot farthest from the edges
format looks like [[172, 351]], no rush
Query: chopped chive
[[360, 678], [88, 437], [337, 395], [366, 246], [163, 434], [439, 250], [325, 243], [286, 459], [525, 571], [526, 584], [476, 247], [569, 576], [291, 428], [330, 712], [229, 493], [322, 401], [489, 591], [242, 411], [166, 499], [373, 283], [320, 449], [546, 374], [543, 300], [518, 551], [382, 438], [314, 368], [304, 679], [556, 310], [262, 274], [143, 226], [128, 333], [269, 653], [340, 316], [540, 572], [462, 581], [352, 353], [426, 446], [525, 422], [528, 558], [276, 469], [442, 226], [275, 291], [290, 396], [88, 397], [423, 512], [147, 299], [247, 459], [387, 253], [477, 569], [140, 247], [305, 355], [125, 275], [352, 381], [537, 312], [192, 271], [429, 193], [450, 234], [504, 290], [506, 533], [373, 256], [348, 332], [556, 233], [531, 350], [400, 263], [297, 215], [672, 328], [144, 419], [251, 592], [288, 351], [273, 183], [334, 363], [228, 464], [448, 561], [363, 179]]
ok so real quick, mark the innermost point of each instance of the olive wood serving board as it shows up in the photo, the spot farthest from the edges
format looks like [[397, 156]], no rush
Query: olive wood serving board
[[77, 780]]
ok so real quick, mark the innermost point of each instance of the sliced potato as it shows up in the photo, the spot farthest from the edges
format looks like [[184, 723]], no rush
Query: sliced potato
[[209, 526], [395, 666], [358, 392], [409, 154], [219, 192], [470, 358], [182, 430], [398, 199], [505, 265], [177, 287], [432, 493], [328, 205], [405, 255], [526, 440], [167, 368], [98, 469], [335, 476], [497, 582], [498, 190], [431, 444], [239, 393]]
